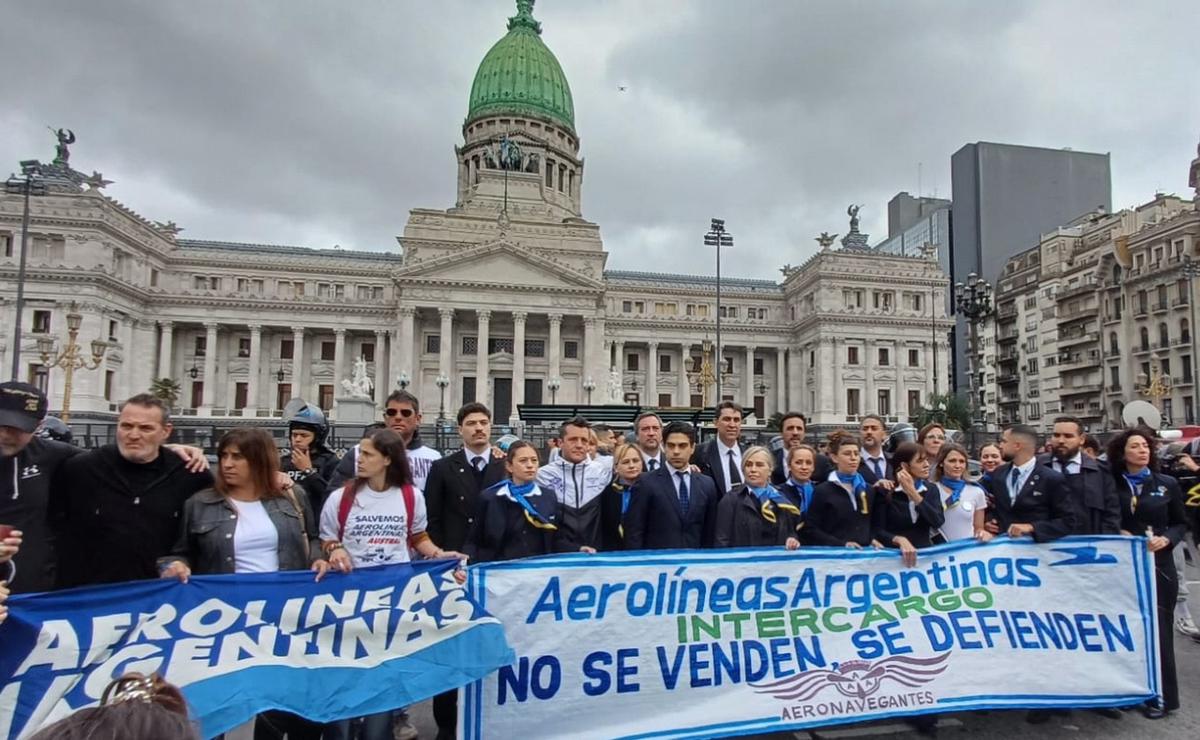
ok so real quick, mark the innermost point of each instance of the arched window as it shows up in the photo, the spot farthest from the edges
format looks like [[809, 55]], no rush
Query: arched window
[[1164, 336], [1113, 347], [1145, 337], [1116, 273], [1185, 331]]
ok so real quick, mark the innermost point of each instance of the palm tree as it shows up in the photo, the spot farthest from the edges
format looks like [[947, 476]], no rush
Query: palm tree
[[950, 410], [775, 423], [166, 389]]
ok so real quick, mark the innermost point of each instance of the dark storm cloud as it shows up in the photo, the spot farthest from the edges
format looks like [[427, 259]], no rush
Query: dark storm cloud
[[318, 122]]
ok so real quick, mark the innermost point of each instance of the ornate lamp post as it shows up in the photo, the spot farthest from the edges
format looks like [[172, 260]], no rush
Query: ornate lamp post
[[1156, 385], [1191, 270], [974, 300], [708, 375], [554, 385], [70, 358], [718, 237], [442, 383], [26, 185], [402, 380], [589, 385]]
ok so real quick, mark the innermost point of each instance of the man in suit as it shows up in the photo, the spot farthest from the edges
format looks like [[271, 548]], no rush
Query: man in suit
[[1097, 508], [451, 499], [721, 458], [1030, 499], [792, 430], [673, 507], [648, 427], [874, 465]]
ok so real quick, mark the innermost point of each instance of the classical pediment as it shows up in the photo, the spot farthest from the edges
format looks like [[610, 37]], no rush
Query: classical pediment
[[498, 263]]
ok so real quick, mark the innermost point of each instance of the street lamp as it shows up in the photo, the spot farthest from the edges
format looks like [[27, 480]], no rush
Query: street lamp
[[718, 237], [1191, 270], [27, 186], [193, 371], [1156, 385], [708, 374], [554, 385], [974, 301], [70, 359], [442, 382], [403, 380], [279, 376], [589, 385]]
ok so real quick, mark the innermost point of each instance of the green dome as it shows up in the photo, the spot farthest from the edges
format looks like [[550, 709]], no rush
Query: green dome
[[520, 76]]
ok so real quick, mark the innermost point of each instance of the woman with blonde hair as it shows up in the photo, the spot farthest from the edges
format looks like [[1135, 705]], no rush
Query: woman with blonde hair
[[616, 499], [754, 513], [965, 501]]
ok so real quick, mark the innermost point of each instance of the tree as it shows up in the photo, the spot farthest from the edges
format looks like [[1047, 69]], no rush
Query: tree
[[775, 423], [950, 410], [166, 390]]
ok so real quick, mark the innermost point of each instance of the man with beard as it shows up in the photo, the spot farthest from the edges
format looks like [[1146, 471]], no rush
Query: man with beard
[[1097, 508], [793, 428], [875, 467]]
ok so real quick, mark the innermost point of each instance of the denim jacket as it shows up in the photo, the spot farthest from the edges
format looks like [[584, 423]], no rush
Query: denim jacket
[[206, 533]]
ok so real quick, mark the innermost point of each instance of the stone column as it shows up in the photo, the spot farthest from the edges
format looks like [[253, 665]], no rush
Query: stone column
[[518, 373], [299, 365], [555, 346], [930, 353], [339, 359], [619, 366], [685, 389], [210, 369], [870, 404], [253, 370], [825, 370], [651, 398], [165, 349], [590, 350], [748, 390], [781, 399], [405, 352], [382, 384], [482, 386], [446, 346]]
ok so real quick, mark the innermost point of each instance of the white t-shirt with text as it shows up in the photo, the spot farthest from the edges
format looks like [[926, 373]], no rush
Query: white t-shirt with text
[[377, 528]]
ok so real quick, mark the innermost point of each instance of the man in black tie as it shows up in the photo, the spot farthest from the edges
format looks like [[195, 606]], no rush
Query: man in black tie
[[451, 499], [1093, 494], [1030, 499], [875, 467], [648, 427], [793, 428], [721, 458], [673, 508]]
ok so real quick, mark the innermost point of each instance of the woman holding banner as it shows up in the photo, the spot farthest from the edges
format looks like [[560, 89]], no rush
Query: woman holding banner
[[615, 500], [1152, 504], [905, 521], [840, 513], [246, 524], [755, 513], [965, 502]]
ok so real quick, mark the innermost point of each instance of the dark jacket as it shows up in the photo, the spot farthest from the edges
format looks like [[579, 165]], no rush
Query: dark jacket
[[1044, 501], [833, 520], [579, 488], [742, 523], [26, 482], [1159, 508], [116, 517], [655, 520], [867, 471], [501, 530], [612, 519], [316, 481], [1094, 496], [708, 458], [206, 531], [892, 517], [452, 497]]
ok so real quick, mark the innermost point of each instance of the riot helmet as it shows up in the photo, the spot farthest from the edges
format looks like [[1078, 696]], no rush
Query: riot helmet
[[299, 414], [55, 428]]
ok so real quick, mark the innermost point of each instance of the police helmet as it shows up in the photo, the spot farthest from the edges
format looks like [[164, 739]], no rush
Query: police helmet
[[299, 414], [55, 428], [900, 433]]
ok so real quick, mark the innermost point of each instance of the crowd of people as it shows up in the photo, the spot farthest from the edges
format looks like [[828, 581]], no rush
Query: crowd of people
[[141, 508]]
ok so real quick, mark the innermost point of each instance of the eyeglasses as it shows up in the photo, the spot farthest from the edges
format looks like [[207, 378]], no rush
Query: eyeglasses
[[404, 413]]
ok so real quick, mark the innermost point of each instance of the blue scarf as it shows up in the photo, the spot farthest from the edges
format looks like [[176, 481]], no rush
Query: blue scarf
[[806, 493], [532, 515], [956, 486], [1137, 484], [859, 486], [985, 479], [769, 499]]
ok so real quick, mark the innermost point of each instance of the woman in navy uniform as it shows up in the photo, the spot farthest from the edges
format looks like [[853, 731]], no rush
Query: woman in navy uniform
[[802, 463], [904, 517], [840, 513], [755, 513], [616, 499], [516, 518], [1152, 505]]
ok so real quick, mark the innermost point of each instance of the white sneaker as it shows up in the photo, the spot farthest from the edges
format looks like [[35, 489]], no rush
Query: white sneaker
[[1185, 626], [402, 729]]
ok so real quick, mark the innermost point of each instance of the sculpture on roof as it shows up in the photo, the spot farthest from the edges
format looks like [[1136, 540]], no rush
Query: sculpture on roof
[[170, 228], [510, 155], [614, 386], [788, 270], [96, 181], [66, 137], [360, 386], [1194, 175], [852, 212], [826, 240]]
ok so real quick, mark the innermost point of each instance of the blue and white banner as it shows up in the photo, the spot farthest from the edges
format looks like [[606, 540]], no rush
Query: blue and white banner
[[697, 644], [369, 641]]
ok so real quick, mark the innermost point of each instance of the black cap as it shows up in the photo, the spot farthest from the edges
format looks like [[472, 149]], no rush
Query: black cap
[[21, 405]]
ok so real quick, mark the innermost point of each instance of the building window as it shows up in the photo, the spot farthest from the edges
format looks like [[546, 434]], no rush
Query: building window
[[283, 394], [664, 365], [914, 402], [1164, 336], [1144, 335], [204, 282], [1189, 410], [627, 306], [112, 330], [914, 358], [1185, 362], [631, 362], [470, 345], [243, 346], [1114, 378], [468, 389], [197, 394], [500, 344], [664, 400], [41, 322], [885, 403], [1168, 410], [885, 358], [433, 344], [853, 407], [852, 355], [1185, 332], [812, 359], [241, 392], [110, 377], [153, 278], [325, 394], [287, 349], [535, 348], [639, 307], [758, 366], [367, 351], [200, 346], [328, 351], [6, 244], [249, 285], [1113, 345], [571, 349]]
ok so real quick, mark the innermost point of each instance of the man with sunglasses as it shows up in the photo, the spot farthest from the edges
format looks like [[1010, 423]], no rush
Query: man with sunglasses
[[402, 414]]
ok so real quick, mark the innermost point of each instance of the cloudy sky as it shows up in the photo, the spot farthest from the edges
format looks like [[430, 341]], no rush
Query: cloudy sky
[[321, 123]]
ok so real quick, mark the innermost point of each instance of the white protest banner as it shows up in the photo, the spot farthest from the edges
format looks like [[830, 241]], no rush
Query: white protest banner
[[683, 644]]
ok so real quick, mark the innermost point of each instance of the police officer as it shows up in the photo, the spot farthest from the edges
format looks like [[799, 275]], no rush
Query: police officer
[[309, 462]]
